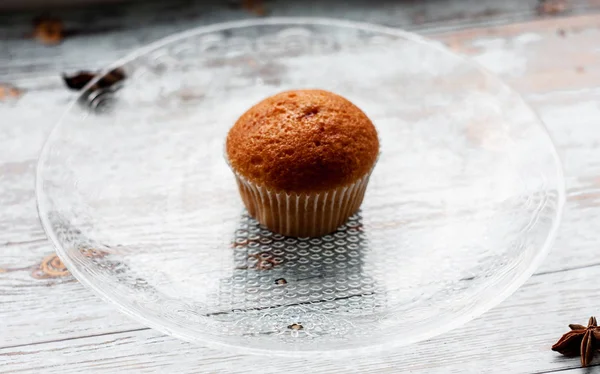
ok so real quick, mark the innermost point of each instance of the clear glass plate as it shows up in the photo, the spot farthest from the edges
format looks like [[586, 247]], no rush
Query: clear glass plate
[[463, 204]]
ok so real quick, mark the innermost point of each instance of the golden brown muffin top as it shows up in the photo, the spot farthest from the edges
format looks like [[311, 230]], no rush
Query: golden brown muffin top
[[303, 141]]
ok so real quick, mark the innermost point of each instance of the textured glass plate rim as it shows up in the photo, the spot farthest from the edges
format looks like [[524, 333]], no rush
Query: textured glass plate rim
[[439, 328]]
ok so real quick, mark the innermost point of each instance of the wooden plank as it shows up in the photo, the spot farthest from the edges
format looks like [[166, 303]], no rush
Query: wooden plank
[[103, 34], [60, 306], [64, 310], [575, 247], [536, 56], [512, 338], [21, 223], [36, 306], [524, 54], [22, 133]]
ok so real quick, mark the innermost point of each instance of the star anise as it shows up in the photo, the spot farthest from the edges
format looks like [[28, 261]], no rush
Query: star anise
[[581, 340], [82, 78]]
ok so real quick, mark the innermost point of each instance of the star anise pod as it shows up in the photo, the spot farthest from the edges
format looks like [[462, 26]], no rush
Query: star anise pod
[[581, 340], [82, 78]]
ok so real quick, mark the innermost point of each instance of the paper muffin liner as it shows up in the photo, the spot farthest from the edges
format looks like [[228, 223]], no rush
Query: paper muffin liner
[[303, 214]]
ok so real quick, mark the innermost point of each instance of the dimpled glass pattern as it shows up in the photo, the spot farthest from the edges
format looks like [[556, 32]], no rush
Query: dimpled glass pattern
[[135, 193]]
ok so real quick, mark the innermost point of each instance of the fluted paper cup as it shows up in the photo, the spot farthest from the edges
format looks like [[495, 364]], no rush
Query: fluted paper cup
[[302, 214]]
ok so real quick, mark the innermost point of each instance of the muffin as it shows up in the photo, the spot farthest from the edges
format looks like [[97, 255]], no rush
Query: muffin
[[302, 160]]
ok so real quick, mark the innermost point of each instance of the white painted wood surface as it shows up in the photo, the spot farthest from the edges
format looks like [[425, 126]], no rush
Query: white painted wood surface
[[56, 325]]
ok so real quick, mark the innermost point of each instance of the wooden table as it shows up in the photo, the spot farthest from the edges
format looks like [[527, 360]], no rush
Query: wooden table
[[50, 323]]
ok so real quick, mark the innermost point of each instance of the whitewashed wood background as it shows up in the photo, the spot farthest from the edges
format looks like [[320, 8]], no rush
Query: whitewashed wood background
[[56, 325]]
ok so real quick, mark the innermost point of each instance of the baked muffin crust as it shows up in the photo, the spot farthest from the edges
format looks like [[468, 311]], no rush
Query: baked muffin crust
[[303, 141]]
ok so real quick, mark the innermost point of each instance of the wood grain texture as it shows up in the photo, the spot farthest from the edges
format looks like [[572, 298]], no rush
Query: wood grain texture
[[512, 338], [536, 56], [66, 311], [102, 34], [55, 324]]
